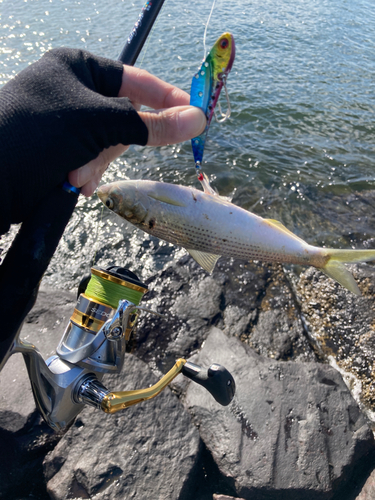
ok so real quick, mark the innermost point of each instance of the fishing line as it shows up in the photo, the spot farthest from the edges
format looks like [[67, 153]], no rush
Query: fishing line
[[205, 30], [96, 239], [151, 34], [109, 290]]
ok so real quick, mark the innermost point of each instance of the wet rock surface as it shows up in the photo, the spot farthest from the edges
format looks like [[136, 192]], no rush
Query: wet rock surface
[[342, 328], [312, 439]]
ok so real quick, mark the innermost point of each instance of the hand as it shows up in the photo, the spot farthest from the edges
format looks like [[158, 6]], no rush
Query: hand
[[173, 121], [67, 110]]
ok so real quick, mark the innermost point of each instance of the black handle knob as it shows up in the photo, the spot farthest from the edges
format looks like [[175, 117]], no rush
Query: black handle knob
[[216, 379]]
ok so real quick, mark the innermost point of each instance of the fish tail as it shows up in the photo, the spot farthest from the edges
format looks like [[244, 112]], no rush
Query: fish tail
[[334, 268]]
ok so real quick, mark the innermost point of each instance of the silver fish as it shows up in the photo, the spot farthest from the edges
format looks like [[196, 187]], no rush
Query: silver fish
[[208, 226]]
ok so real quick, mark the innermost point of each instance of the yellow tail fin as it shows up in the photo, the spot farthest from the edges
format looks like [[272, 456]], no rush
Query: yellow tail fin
[[336, 270]]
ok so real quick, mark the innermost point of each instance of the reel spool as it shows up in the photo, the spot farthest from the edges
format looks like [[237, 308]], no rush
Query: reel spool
[[98, 299]]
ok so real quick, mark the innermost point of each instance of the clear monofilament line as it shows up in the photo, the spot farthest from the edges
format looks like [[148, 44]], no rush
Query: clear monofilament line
[[96, 239], [205, 30]]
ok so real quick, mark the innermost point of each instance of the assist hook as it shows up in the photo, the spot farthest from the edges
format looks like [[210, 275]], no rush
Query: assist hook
[[226, 115]]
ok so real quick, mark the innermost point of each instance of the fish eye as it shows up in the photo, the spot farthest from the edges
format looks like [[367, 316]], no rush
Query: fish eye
[[109, 203], [224, 43]]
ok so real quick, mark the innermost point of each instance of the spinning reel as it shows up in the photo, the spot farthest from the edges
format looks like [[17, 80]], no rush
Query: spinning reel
[[93, 344]]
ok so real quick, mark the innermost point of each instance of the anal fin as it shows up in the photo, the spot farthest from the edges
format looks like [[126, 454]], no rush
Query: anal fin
[[206, 260]]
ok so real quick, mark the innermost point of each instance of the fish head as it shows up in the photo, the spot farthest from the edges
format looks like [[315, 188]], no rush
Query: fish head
[[223, 53], [125, 199]]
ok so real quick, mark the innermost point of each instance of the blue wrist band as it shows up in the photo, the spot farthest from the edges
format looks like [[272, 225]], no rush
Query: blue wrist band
[[70, 189]]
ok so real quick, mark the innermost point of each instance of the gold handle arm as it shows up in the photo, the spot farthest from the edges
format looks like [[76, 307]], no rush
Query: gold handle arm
[[116, 401]]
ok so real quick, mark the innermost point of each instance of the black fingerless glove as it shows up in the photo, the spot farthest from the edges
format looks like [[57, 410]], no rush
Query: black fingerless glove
[[55, 116]]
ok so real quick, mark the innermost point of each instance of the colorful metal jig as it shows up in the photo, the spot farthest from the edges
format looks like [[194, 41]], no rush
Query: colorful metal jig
[[206, 87]]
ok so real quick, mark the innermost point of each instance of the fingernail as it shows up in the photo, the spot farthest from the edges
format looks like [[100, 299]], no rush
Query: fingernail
[[192, 121]]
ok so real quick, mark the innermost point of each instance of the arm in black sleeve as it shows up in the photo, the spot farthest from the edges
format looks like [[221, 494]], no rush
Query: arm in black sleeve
[[55, 116]]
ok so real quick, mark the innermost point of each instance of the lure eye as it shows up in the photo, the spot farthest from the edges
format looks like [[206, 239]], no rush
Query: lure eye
[[224, 43], [109, 203]]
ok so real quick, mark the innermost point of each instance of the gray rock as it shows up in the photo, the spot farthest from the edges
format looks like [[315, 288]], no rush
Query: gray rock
[[190, 301], [237, 321], [278, 331], [293, 428], [252, 301], [16, 397], [203, 300], [146, 451], [21, 459]]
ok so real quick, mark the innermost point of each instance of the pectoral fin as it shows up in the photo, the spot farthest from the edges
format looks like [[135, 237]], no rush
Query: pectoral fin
[[207, 186], [206, 260], [208, 189], [166, 199]]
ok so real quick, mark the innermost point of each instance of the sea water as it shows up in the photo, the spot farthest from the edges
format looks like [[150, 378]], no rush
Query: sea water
[[299, 146]]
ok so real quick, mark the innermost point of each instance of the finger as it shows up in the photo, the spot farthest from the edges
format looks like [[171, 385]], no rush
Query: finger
[[173, 125], [142, 87], [89, 188], [88, 176]]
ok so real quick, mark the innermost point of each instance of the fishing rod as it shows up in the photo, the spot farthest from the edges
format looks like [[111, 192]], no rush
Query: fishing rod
[[140, 32], [107, 308], [37, 240]]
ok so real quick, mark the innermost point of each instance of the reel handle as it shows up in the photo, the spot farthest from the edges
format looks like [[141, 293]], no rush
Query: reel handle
[[216, 379]]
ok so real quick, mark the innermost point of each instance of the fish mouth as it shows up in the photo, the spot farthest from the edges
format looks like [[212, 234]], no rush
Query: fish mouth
[[102, 192]]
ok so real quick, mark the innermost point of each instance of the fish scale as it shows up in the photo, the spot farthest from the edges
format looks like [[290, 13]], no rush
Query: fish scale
[[188, 237]]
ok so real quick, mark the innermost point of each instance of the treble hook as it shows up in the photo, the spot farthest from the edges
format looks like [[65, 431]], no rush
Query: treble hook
[[225, 116]]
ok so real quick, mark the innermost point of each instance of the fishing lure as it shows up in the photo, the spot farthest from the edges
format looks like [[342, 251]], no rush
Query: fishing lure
[[206, 87]]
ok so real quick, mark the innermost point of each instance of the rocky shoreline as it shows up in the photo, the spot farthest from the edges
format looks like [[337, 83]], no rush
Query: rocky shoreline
[[297, 428]]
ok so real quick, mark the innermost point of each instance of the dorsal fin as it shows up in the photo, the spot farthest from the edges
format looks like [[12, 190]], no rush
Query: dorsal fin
[[279, 225]]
